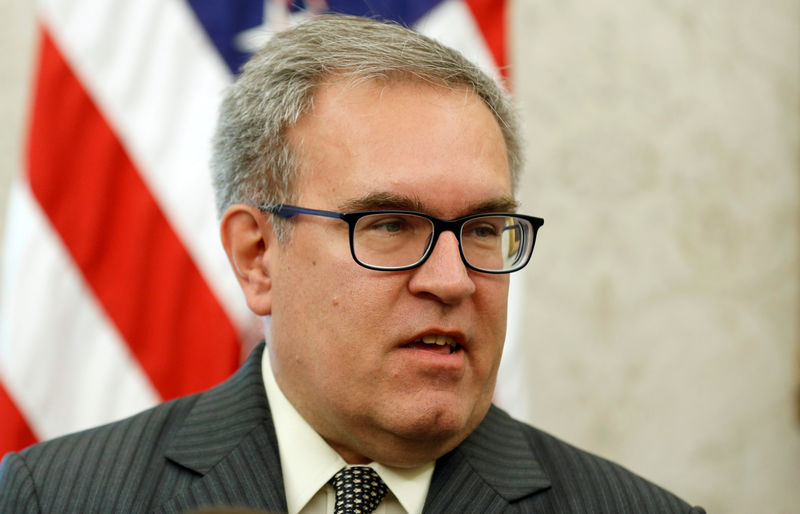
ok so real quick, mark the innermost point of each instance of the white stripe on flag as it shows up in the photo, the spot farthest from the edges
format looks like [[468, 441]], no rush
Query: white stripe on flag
[[61, 380], [511, 390], [451, 23]]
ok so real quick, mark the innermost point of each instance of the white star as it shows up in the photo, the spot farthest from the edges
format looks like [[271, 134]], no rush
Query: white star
[[277, 17]]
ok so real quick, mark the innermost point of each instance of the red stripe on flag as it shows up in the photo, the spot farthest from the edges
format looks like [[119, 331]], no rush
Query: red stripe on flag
[[120, 239], [15, 434], [490, 15]]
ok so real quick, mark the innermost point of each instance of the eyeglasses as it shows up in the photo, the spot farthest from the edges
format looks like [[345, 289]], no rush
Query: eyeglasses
[[497, 242]]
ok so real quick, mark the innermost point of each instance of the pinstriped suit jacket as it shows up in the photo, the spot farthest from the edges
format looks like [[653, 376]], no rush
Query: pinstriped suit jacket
[[219, 448]]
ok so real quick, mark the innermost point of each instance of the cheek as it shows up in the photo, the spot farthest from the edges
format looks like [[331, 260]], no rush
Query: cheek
[[335, 302], [491, 299], [363, 310], [491, 310]]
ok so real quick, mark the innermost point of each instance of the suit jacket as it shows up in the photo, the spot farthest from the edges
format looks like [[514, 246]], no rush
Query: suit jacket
[[219, 448]]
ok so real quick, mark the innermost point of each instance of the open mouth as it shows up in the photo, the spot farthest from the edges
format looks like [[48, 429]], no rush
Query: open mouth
[[438, 343]]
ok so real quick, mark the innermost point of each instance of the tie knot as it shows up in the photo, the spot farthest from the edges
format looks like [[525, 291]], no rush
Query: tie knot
[[359, 490]]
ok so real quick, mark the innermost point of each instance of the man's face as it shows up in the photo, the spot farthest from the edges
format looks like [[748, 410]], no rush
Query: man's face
[[346, 343]]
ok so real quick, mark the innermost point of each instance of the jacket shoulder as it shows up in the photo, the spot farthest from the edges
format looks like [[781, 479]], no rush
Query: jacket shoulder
[[107, 464], [584, 482]]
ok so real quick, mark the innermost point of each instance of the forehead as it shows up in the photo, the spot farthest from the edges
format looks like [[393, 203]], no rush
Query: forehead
[[440, 147]]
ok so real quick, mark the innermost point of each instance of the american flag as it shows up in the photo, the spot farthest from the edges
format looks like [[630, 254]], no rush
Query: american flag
[[115, 293]]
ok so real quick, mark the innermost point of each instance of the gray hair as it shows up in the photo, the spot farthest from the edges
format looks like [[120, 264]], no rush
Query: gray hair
[[252, 163]]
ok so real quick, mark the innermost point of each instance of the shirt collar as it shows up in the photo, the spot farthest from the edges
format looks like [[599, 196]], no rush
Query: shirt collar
[[308, 462]]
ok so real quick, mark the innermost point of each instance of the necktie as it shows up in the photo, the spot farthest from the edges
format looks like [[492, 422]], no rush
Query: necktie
[[359, 490]]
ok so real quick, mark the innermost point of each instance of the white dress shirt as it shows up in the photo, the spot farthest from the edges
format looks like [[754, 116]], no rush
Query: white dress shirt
[[308, 462]]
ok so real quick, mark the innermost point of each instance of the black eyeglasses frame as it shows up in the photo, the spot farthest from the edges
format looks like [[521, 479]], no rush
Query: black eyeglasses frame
[[439, 225]]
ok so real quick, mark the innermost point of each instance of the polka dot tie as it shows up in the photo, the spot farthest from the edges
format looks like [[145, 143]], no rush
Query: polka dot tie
[[359, 490]]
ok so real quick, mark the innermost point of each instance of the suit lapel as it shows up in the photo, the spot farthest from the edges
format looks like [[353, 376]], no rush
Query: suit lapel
[[493, 467], [229, 441]]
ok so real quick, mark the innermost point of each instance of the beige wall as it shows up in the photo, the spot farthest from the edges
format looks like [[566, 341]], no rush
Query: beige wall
[[663, 296], [661, 313]]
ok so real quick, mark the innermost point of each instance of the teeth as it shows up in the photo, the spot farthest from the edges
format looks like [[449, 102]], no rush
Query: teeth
[[438, 340]]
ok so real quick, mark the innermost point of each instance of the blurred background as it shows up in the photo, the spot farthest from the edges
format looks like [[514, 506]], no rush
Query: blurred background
[[657, 324]]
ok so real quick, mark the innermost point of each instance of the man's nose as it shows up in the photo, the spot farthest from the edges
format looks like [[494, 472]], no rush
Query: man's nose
[[443, 275]]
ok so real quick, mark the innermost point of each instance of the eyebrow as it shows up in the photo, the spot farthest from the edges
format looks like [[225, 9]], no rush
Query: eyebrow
[[501, 204], [393, 201], [380, 201]]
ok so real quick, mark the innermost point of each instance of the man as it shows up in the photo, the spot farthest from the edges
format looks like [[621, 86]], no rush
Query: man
[[365, 179]]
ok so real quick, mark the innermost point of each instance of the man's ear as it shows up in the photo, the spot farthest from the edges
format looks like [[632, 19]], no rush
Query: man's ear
[[248, 238]]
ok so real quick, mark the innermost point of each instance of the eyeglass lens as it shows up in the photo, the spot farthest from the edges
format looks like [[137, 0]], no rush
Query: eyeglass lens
[[392, 240]]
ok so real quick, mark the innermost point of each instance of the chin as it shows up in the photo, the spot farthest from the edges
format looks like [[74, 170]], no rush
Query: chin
[[440, 427], [417, 432], [409, 441]]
